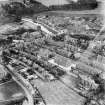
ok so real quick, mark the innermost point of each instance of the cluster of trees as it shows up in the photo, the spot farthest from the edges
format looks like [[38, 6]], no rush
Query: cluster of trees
[[80, 5], [5, 78], [18, 9]]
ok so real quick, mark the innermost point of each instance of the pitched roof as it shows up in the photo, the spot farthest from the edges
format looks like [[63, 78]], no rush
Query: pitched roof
[[60, 60]]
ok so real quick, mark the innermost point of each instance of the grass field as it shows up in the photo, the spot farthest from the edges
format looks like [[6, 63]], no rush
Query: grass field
[[57, 93]]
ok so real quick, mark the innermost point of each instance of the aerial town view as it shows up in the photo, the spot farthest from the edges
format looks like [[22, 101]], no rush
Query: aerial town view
[[52, 52]]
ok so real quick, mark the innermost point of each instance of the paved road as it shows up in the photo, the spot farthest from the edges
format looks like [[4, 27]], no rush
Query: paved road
[[21, 83], [43, 26]]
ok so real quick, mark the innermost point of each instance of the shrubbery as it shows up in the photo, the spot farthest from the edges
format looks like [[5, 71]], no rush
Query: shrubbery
[[18, 9], [80, 5]]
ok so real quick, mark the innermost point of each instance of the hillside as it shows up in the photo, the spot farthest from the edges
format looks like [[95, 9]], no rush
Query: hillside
[[37, 6], [80, 5]]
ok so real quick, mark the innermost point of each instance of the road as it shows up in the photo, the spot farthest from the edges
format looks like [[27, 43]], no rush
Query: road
[[48, 27], [55, 95], [64, 84], [20, 81], [45, 28]]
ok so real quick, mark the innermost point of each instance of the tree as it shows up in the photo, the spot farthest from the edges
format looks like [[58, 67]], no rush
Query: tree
[[14, 9], [87, 1]]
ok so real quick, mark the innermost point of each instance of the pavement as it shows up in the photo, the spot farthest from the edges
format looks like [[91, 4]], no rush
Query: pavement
[[19, 80]]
